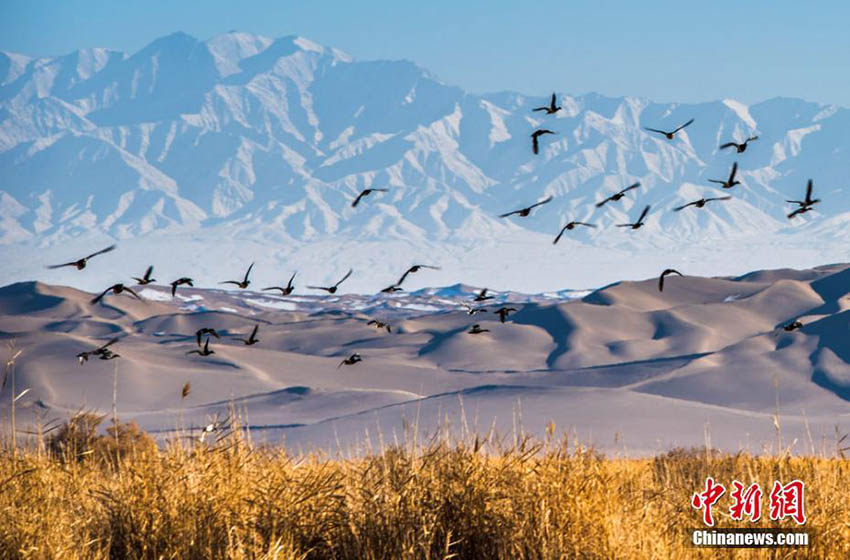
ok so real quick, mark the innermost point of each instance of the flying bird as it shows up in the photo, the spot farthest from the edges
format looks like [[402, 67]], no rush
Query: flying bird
[[503, 312], [482, 295], [350, 361], [332, 289], [473, 310], [476, 329], [84, 356], [731, 181], [664, 274], [701, 202], [146, 279], [242, 284], [669, 135], [205, 351], [523, 212], [116, 289], [380, 325], [180, 282], [414, 269], [793, 326], [81, 264], [206, 330], [251, 340], [108, 354], [618, 195], [804, 205], [365, 192], [569, 227], [535, 143], [639, 223], [284, 290], [551, 109], [740, 147]]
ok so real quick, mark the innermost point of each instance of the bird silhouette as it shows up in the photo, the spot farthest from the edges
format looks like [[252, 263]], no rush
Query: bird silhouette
[[179, 282], [669, 135], [116, 289], [731, 181], [284, 290], [146, 279], [482, 295], [251, 340], [741, 148], [617, 195], [793, 326], [639, 223], [664, 274], [473, 310], [806, 204], [350, 361], [392, 288], [476, 329], [503, 312], [700, 203], [205, 331], [414, 269], [380, 325], [365, 192], [108, 354], [569, 227], [205, 351], [551, 109], [81, 264], [332, 289], [242, 284], [101, 350], [523, 212], [535, 143]]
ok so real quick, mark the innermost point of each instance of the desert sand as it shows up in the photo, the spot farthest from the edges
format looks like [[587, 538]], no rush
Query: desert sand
[[626, 368]]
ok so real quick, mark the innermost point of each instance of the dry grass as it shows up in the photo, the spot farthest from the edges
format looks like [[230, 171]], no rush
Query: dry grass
[[225, 499]]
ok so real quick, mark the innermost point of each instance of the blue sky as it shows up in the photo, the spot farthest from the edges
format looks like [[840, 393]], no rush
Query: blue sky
[[664, 50]]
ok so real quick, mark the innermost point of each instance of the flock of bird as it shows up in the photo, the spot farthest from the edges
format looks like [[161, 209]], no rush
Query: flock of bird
[[202, 336]]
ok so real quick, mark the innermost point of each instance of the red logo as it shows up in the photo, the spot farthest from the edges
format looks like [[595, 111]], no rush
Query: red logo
[[785, 501], [705, 500]]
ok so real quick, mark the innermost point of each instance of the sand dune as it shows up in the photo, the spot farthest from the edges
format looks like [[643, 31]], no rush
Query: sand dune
[[629, 367]]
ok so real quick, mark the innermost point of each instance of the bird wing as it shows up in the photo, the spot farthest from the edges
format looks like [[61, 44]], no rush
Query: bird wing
[[809, 187], [344, 278], [131, 292], [248, 272], [630, 187], [643, 214], [558, 238], [655, 130], [317, 287], [539, 109], [102, 251], [289, 285], [100, 297], [510, 214], [552, 103], [751, 138], [254, 332], [235, 282], [661, 282], [535, 146], [680, 208], [108, 344], [357, 200], [173, 288], [728, 145], [586, 224], [403, 276], [148, 273], [734, 172], [683, 126], [52, 266], [541, 203], [717, 181], [719, 198], [272, 288], [601, 203]]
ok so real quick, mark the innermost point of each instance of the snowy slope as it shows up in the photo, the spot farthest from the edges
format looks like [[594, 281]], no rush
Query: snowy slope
[[245, 139]]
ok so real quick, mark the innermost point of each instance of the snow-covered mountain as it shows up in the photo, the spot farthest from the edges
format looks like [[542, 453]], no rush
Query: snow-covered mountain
[[189, 147]]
